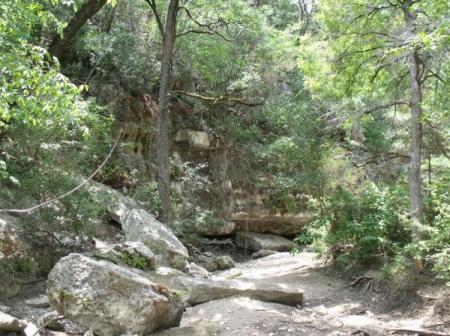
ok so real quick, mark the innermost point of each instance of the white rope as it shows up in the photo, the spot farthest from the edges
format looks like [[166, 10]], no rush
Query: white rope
[[71, 191]]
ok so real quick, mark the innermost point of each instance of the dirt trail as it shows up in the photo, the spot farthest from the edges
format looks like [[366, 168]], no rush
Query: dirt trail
[[330, 306]]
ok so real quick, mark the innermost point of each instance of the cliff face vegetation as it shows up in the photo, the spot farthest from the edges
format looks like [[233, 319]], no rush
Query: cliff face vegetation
[[212, 130]]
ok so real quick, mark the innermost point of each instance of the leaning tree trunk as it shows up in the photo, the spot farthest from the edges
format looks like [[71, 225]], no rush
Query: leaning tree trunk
[[162, 140], [60, 44], [415, 178]]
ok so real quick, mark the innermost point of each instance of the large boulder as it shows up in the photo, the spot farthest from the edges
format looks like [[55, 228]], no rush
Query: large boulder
[[139, 225], [258, 241], [109, 299], [263, 222], [142, 226]]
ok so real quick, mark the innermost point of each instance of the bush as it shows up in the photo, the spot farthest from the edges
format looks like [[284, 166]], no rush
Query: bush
[[373, 224]]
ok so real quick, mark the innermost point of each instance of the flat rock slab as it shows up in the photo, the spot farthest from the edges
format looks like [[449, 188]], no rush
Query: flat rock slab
[[198, 328], [40, 301], [241, 316], [258, 241], [109, 299], [195, 291]]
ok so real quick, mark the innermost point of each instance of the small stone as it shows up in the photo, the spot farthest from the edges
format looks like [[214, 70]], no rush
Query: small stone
[[31, 330], [257, 241], [207, 262], [139, 248], [51, 322], [5, 309], [196, 270], [40, 301], [224, 262], [262, 254], [10, 323]]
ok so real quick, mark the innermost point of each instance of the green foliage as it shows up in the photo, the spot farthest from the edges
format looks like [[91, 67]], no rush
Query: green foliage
[[373, 223], [147, 195], [33, 92], [134, 260]]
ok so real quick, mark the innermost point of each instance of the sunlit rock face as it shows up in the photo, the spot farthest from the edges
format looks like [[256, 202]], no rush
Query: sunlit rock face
[[109, 299], [134, 117], [251, 213], [197, 140], [262, 222]]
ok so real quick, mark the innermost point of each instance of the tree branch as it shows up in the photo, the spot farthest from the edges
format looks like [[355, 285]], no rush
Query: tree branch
[[152, 5], [61, 42], [211, 27], [385, 106], [221, 99], [383, 157]]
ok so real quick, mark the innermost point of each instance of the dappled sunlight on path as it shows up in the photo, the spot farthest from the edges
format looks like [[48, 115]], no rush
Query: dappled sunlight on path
[[330, 307]]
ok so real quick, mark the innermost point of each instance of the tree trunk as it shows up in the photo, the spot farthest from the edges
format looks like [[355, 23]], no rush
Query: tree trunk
[[163, 163], [415, 178], [60, 45]]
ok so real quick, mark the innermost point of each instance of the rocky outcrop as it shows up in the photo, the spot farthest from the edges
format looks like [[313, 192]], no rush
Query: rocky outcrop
[[139, 225], [258, 241], [109, 299], [263, 222]]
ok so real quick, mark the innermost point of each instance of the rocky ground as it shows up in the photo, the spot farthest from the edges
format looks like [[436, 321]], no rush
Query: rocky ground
[[144, 281], [330, 306]]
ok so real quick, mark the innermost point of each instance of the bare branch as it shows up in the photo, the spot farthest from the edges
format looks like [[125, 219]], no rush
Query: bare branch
[[221, 99], [385, 106], [381, 157], [211, 27]]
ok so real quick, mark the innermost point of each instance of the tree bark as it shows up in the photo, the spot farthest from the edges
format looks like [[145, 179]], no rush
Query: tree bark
[[60, 44], [162, 140], [415, 177]]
